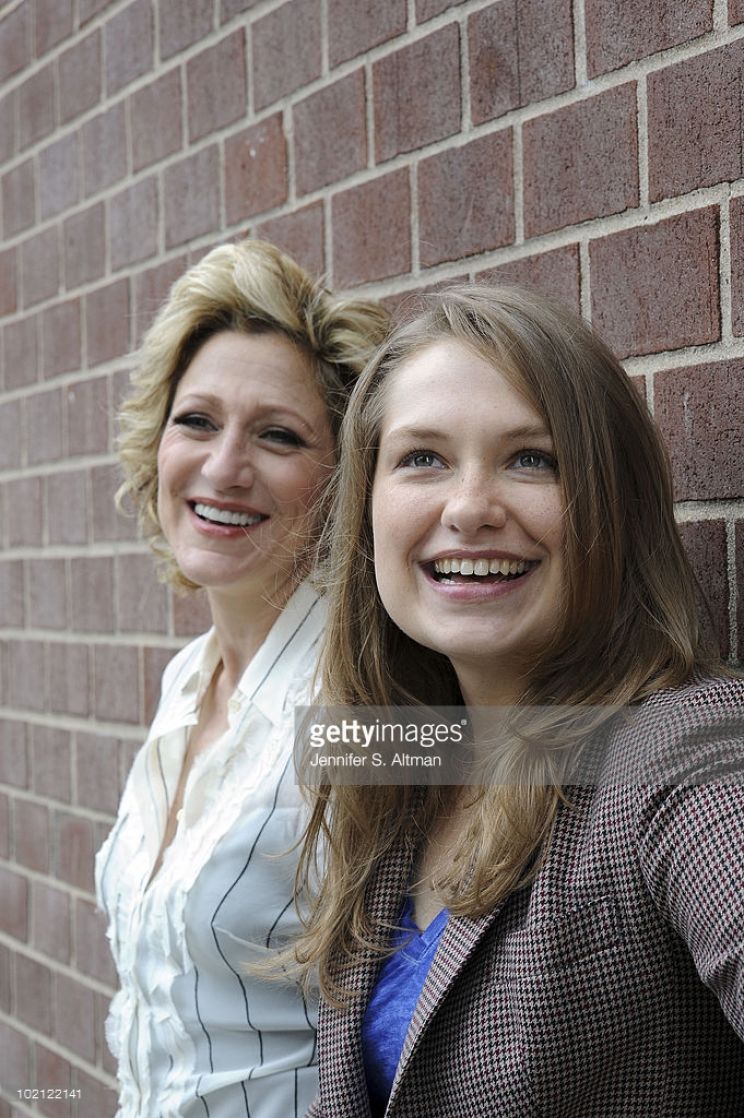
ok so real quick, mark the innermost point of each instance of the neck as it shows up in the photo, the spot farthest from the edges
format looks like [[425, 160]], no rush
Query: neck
[[488, 688], [241, 626]]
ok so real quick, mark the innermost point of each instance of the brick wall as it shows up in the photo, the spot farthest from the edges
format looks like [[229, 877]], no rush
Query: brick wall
[[593, 149]]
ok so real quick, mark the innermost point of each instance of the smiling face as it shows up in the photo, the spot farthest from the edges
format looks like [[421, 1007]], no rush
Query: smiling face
[[468, 518], [244, 454]]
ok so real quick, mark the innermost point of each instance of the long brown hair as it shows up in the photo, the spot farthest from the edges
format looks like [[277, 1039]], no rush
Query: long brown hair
[[629, 622]]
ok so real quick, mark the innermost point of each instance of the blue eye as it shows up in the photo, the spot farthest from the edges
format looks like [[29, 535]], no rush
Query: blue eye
[[421, 459], [535, 460]]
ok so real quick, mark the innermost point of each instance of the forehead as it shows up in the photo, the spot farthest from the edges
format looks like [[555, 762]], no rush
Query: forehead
[[449, 384], [269, 365]]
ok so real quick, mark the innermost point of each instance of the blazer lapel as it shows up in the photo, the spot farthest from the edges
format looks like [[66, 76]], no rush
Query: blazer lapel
[[459, 940]]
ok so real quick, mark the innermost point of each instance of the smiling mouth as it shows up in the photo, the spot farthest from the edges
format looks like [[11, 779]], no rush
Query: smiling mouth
[[453, 571], [229, 517]]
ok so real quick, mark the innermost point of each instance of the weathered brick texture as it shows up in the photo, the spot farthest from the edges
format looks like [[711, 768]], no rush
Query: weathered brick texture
[[590, 149]]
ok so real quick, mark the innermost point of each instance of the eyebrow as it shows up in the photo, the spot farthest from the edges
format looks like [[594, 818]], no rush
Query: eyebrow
[[424, 434]]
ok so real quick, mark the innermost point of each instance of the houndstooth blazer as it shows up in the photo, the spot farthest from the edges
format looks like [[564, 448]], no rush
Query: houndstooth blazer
[[613, 987]]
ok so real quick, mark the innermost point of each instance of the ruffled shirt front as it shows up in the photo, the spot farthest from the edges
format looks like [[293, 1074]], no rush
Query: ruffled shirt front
[[192, 1032]]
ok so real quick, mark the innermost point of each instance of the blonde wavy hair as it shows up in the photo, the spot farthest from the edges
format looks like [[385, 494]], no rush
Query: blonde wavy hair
[[251, 288], [629, 623]]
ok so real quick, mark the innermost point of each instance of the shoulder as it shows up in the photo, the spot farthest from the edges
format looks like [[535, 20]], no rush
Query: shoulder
[[680, 733]]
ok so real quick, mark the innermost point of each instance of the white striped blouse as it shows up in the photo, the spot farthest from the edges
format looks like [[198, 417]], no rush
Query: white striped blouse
[[192, 1032]]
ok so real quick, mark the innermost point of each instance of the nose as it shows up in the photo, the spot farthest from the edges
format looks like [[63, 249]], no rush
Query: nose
[[475, 502], [228, 464]]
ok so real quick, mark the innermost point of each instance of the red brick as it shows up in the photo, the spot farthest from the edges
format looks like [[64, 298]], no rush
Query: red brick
[[40, 267], [97, 772], [74, 846], [230, 8], [19, 193], [107, 523], [85, 246], [182, 25], [13, 757], [705, 544], [129, 44], [6, 961], [371, 230], [301, 234], [50, 921], [10, 438], [736, 11], [92, 592], [32, 835], [79, 76], [142, 604], [21, 363], [556, 273], [36, 111], [192, 197], [154, 664], [15, 41], [87, 404], [116, 688], [286, 50], [16, 1065], [23, 496], [11, 585], [104, 150], [66, 505], [695, 123], [107, 322], [356, 27], [33, 994], [135, 208], [191, 614], [330, 133], [512, 60], [56, 1072], [149, 290], [8, 139], [50, 752], [617, 33], [5, 824], [14, 909], [44, 427], [417, 94], [156, 120], [92, 952], [47, 593], [700, 412], [60, 338], [97, 1100], [75, 1002], [737, 267], [54, 23], [427, 9], [68, 679], [216, 86], [8, 279], [581, 162], [26, 683], [59, 186], [255, 169], [466, 199], [641, 277], [90, 8]]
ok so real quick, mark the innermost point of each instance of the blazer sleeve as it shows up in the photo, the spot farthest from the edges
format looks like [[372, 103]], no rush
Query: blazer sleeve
[[691, 833]]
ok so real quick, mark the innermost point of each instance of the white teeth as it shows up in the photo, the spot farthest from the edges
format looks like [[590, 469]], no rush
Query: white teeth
[[481, 567], [225, 516]]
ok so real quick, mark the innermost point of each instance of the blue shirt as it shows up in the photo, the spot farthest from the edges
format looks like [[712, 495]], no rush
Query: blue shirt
[[393, 1000]]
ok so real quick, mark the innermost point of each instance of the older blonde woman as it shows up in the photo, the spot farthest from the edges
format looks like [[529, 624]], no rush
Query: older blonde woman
[[228, 440]]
